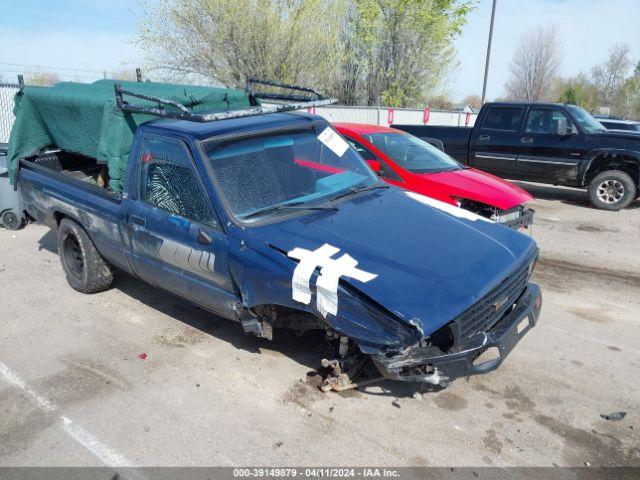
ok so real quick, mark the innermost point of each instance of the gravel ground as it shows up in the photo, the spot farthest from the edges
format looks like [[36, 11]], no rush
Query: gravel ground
[[134, 376]]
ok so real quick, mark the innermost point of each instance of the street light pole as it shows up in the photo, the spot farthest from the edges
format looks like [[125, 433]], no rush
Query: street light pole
[[486, 65]]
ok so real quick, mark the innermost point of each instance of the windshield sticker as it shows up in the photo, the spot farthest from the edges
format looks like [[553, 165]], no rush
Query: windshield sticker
[[445, 207], [331, 139], [327, 284]]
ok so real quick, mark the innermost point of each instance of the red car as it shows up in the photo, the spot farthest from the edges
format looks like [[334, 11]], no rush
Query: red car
[[408, 162]]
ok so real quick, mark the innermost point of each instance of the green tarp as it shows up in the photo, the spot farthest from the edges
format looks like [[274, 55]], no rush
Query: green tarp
[[83, 118]]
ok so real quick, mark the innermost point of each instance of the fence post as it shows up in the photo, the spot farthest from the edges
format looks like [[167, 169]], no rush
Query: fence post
[[138, 75]]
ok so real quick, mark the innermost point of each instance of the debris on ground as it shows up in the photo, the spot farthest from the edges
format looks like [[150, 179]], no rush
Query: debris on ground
[[396, 403], [417, 396], [614, 417], [142, 356]]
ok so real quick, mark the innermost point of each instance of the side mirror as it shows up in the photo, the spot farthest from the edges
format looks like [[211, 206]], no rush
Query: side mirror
[[376, 166], [562, 128]]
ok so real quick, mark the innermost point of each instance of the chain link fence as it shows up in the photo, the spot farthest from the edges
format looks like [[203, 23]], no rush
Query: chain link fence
[[7, 92]]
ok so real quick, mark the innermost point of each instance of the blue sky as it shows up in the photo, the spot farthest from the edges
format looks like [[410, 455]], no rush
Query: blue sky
[[95, 35]]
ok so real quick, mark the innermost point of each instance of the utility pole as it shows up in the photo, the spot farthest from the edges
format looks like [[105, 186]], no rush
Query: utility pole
[[486, 65]]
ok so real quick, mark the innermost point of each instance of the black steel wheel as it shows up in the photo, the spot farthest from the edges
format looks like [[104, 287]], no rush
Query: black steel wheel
[[11, 221], [85, 269]]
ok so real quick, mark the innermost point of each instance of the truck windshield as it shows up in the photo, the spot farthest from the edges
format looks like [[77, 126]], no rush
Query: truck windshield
[[264, 175], [586, 120], [411, 153]]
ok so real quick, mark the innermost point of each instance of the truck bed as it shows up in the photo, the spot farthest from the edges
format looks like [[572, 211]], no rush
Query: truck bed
[[455, 140], [65, 185]]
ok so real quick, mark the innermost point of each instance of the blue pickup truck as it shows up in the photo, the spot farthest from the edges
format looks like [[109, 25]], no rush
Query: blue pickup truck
[[273, 221]]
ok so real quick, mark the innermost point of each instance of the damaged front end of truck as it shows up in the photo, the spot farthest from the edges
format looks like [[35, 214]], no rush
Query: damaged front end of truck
[[418, 289]]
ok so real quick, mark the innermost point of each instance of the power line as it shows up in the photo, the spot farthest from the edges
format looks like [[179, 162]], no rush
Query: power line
[[50, 68], [41, 72]]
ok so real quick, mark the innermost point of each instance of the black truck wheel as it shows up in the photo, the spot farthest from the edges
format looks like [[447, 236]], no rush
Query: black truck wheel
[[612, 190], [86, 270], [11, 221]]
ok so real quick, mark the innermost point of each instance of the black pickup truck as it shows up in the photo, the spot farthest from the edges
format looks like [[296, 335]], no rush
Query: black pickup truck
[[549, 143]]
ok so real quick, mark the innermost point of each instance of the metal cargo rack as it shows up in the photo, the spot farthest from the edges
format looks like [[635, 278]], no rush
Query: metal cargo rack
[[300, 101]]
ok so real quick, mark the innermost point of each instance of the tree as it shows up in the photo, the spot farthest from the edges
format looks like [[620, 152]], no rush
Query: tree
[[577, 90], [42, 78], [440, 102], [534, 65], [358, 50], [608, 77], [406, 46], [474, 101], [229, 41]]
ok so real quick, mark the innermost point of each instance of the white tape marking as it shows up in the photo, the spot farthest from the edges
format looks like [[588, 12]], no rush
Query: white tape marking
[[328, 280], [309, 261], [16, 381], [327, 285], [445, 207]]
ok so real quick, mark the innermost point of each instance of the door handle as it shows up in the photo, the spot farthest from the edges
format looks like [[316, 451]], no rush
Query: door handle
[[204, 238], [484, 137], [526, 140], [139, 221]]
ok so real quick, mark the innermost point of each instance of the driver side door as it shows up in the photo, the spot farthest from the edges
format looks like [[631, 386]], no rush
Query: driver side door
[[544, 154], [174, 235]]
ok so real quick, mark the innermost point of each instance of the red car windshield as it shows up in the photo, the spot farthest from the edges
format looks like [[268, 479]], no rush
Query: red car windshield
[[411, 153]]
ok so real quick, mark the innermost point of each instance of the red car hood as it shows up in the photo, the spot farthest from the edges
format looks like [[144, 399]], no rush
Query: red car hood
[[479, 186]]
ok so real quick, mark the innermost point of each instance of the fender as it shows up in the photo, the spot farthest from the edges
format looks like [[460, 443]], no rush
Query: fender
[[262, 274], [585, 164]]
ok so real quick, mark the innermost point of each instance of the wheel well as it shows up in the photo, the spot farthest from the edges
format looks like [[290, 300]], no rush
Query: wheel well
[[613, 161], [59, 216], [289, 318]]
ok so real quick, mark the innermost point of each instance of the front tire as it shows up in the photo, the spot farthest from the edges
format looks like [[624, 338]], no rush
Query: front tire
[[612, 190], [85, 269]]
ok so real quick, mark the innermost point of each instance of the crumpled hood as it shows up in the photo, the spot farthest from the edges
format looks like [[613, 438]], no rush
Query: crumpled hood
[[429, 265], [479, 186]]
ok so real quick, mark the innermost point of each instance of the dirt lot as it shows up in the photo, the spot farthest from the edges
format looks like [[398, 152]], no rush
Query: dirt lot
[[74, 390]]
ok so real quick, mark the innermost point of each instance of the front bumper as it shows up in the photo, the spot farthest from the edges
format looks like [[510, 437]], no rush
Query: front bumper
[[524, 220], [431, 365]]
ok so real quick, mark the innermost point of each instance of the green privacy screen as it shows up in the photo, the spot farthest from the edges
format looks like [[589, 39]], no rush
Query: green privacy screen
[[83, 118]]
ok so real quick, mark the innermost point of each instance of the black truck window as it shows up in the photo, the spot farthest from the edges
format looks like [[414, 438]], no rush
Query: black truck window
[[503, 118], [543, 121], [167, 181]]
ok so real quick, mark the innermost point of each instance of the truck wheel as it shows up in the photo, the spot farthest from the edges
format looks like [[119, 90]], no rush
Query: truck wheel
[[612, 190], [86, 270], [11, 221]]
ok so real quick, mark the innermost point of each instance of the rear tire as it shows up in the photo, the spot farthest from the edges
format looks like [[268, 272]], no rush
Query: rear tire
[[11, 221], [85, 269], [612, 190]]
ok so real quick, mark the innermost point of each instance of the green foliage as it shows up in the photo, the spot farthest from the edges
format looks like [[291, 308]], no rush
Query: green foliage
[[228, 41], [577, 90], [406, 46], [358, 50]]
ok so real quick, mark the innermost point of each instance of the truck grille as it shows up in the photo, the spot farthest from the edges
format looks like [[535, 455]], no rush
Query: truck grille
[[485, 313]]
